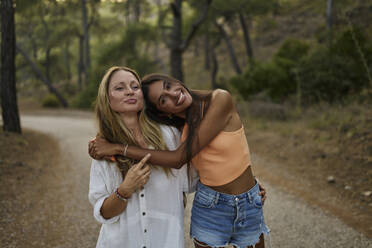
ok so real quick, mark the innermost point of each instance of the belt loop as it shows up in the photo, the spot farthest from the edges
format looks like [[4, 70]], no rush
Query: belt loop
[[216, 198], [249, 197]]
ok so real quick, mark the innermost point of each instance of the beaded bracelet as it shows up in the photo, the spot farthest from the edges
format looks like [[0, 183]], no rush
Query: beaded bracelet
[[120, 197]]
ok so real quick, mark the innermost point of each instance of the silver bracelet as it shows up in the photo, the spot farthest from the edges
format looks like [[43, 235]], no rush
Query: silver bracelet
[[120, 197], [125, 150]]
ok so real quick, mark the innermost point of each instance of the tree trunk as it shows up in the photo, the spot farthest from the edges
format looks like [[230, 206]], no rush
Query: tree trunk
[[214, 68], [247, 39], [44, 79], [86, 40], [67, 60], [329, 27], [137, 10], [81, 62], [178, 46], [47, 63], [176, 41], [214, 71], [158, 59], [230, 48], [10, 113], [196, 47], [127, 12], [176, 64], [207, 57], [329, 14]]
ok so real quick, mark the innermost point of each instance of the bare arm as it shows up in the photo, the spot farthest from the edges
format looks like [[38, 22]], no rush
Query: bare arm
[[215, 120]]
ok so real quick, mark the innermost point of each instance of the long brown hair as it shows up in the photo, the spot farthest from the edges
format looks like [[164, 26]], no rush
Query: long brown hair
[[113, 129], [194, 113]]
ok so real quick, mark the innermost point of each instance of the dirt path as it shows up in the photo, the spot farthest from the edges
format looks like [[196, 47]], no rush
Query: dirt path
[[65, 214]]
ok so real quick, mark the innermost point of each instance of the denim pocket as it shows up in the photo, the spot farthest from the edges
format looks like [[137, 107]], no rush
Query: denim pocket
[[204, 200], [257, 201]]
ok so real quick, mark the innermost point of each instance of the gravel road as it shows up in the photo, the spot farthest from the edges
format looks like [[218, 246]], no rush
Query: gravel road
[[293, 223]]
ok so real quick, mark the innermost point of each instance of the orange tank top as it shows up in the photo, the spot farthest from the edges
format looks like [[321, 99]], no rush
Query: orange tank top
[[224, 159]]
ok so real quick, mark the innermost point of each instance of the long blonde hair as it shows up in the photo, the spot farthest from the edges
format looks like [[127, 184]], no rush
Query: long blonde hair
[[113, 129]]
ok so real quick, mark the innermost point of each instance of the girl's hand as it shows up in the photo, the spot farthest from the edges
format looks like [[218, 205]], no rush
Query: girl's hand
[[262, 193], [100, 148], [91, 150], [136, 177]]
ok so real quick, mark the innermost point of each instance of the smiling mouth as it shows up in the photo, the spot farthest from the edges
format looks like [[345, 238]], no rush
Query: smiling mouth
[[181, 98]]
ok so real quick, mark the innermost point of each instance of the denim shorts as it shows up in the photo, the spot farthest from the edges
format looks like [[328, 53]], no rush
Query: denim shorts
[[219, 219]]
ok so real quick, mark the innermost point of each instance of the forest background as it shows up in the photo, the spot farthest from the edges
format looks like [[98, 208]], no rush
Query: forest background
[[300, 72]]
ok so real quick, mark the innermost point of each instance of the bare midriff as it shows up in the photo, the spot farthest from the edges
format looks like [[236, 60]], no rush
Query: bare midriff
[[239, 185]]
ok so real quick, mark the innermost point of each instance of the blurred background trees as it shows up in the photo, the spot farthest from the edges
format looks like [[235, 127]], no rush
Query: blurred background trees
[[278, 50]]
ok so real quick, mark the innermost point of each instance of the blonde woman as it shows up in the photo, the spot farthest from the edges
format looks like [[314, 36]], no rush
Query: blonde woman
[[138, 205]]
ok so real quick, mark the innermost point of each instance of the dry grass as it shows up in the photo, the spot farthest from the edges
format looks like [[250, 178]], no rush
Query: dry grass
[[23, 161], [323, 141]]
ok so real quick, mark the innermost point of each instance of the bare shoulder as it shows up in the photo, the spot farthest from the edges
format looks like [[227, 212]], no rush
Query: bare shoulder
[[222, 97]]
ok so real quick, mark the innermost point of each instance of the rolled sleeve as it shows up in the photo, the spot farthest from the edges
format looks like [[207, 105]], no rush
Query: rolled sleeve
[[98, 190], [97, 213]]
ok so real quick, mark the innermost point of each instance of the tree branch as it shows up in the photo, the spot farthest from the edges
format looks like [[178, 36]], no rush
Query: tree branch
[[41, 77], [175, 10], [195, 26]]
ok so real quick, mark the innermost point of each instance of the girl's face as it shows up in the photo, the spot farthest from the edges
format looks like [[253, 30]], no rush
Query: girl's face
[[125, 92], [169, 97]]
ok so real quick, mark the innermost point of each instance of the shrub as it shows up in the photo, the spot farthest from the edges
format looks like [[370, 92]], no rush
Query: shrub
[[331, 74], [292, 50], [267, 77], [50, 101], [277, 77]]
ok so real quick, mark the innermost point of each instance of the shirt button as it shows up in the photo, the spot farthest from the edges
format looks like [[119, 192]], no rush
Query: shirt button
[[142, 195], [145, 230], [143, 213], [144, 247]]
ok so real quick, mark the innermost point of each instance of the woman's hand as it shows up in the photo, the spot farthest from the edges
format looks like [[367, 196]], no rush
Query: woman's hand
[[262, 193], [136, 177], [99, 148]]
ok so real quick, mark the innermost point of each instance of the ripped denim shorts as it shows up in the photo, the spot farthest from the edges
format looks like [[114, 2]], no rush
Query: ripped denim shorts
[[219, 219]]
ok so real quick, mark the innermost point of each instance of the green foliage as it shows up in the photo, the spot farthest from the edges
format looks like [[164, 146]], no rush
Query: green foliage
[[50, 101], [267, 77], [252, 7], [277, 77], [292, 50], [87, 97], [331, 74], [326, 74], [128, 51]]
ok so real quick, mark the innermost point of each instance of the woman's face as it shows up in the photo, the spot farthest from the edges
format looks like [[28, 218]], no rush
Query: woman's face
[[125, 92], [169, 97]]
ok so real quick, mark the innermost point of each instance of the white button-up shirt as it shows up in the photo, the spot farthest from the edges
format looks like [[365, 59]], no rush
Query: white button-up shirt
[[154, 215]]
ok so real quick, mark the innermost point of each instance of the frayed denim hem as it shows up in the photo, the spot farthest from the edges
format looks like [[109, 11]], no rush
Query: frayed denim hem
[[266, 233], [197, 241], [266, 237]]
